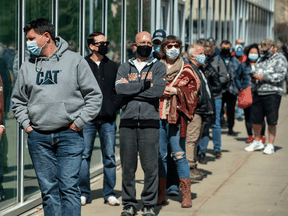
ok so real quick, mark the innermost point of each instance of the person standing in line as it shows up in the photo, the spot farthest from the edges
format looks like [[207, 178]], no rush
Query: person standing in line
[[55, 95], [239, 54], [203, 112], [157, 39], [268, 75], [141, 81], [229, 96], [181, 85], [213, 78], [105, 72], [243, 82]]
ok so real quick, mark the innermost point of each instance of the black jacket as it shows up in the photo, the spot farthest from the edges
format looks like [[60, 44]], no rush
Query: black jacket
[[105, 75], [205, 104], [213, 79]]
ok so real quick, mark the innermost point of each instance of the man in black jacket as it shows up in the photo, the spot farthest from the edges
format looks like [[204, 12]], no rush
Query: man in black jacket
[[213, 78], [105, 72], [205, 106]]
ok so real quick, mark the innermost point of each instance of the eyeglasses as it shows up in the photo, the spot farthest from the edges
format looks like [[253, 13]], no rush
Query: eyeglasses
[[176, 46], [102, 43]]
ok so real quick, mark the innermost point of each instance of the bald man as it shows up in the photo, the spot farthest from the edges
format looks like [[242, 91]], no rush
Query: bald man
[[142, 82]]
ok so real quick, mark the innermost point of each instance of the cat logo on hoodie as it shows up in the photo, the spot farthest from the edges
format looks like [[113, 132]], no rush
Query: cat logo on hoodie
[[49, 78]]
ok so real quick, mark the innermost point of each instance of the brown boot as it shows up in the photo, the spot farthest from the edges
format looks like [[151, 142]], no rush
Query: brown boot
[[161, 191], [185, 185]]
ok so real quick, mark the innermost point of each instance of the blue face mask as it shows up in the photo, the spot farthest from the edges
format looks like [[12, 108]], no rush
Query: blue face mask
[[200, 59], [253, 56], [156, 48], [33, 47]]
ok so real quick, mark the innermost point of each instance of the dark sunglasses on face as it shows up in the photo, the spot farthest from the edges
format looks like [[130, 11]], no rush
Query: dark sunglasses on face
[[176, 46], [101, 43]]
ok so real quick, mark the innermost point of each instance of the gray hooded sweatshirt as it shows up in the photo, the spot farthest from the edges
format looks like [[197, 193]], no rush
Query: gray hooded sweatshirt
[[54, 91]]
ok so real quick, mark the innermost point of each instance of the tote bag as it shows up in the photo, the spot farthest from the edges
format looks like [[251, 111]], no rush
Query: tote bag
[[245, 98]]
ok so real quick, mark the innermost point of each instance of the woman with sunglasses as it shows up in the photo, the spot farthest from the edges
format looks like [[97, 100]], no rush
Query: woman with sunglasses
[[180, 80]]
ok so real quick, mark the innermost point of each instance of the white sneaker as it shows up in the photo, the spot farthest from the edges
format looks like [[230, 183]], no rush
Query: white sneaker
[[255, 146], [269, 149], [83, 200], [113, 201]]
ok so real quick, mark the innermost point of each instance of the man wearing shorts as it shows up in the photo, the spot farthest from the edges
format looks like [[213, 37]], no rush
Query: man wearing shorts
[[268, 74]]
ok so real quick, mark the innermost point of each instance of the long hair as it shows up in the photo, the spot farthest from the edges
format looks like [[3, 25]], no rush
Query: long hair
[[249, 49]]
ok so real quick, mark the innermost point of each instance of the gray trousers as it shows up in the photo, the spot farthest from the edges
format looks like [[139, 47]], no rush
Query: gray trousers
[[146, 142]]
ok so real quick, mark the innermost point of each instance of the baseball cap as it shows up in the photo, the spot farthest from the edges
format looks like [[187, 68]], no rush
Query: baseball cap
[[159, 34], [211, 39], [265, 44], [239, 51]]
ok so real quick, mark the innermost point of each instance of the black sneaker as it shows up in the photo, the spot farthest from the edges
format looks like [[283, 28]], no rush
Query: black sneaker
[[218, 154], [148, 211], [232, 133], [128, 211], [202, 158]]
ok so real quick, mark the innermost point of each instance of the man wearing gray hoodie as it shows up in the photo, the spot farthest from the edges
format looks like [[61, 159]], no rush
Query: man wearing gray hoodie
[[54, 97]]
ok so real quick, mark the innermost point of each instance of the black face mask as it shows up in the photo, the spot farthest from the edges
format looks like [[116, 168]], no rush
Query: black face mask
[[144, 51], [225, 52], [102, 50]]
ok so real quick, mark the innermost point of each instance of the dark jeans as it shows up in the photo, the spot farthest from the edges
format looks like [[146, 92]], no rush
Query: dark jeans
[[57, 158], [248, 123], [107, 132], [146, 142], [230, 101]]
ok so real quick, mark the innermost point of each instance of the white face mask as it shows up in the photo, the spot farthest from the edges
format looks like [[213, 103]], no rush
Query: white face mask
[[33, 47], [172, 53]]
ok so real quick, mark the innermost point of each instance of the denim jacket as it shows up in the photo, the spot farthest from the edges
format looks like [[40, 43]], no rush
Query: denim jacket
[[232, 69], [243, 80]]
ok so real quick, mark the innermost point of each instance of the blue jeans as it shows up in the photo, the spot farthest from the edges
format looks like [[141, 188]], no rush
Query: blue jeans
[[240, 111], [169, 135], [107, 133], [57, 158], [216, 131]]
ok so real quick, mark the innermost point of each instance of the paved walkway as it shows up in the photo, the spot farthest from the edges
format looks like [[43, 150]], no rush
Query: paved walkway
[[240, 183]]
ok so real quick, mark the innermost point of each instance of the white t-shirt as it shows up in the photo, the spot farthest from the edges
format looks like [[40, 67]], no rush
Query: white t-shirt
[[139, 65], [98, 63]]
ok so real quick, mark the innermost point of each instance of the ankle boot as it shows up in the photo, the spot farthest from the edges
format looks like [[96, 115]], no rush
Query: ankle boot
[[161, 191], [185, 185]]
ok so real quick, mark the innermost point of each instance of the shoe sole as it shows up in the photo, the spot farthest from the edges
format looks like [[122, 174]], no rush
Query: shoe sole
[[268, 153], [173, 193], [110, 204], [256, 149]]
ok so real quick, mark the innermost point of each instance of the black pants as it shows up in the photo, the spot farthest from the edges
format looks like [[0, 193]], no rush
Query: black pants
[[230, 101], [248, 123], [146, 142]]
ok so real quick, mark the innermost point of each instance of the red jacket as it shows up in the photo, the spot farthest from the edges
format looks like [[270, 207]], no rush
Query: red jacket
[[182, 108], [241, 59]]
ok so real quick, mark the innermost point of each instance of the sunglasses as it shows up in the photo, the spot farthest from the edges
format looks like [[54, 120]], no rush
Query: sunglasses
[[176, 46], [101, 43], [264, 44]]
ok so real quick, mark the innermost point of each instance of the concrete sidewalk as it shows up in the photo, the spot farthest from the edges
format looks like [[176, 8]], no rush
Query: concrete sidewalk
[[240, 183]]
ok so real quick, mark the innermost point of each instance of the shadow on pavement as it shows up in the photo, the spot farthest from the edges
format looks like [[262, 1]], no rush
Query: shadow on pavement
[[98, 194]]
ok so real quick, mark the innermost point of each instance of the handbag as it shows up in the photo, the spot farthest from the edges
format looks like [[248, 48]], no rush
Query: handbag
[[245, 98]]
